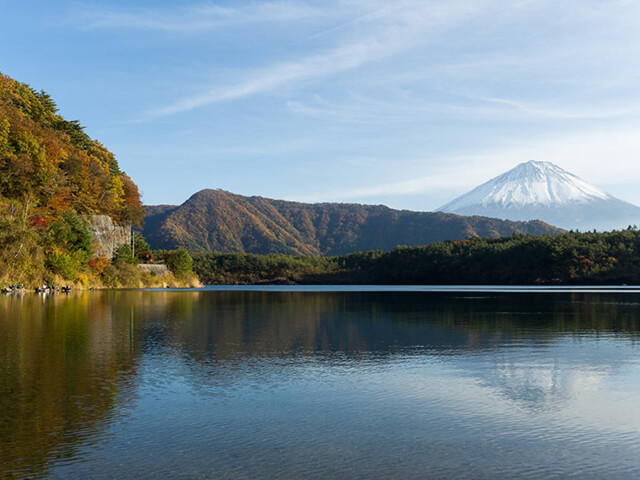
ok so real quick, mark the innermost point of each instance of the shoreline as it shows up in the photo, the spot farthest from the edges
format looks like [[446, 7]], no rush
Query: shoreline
[[362, 288]]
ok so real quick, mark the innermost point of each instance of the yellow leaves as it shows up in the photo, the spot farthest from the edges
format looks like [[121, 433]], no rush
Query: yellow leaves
[[114, 195], [48, 166], [5, 127], [54, 250], [63, 154], [27, 143], [116, 187], [132, 211], [55, 164]]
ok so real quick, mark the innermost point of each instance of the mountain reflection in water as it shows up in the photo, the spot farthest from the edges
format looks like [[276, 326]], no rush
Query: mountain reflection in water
[[318, 384]]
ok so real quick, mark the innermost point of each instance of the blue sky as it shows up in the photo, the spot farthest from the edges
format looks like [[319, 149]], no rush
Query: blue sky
[[407, 103]]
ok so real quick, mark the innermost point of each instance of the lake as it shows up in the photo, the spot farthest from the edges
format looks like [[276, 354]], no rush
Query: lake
[[321, 382]]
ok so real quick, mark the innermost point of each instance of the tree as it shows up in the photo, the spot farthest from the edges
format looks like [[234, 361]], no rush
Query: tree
[[180, 262], [70, 234], [132, 211], [51, 175], [123, 254], [141, 248]]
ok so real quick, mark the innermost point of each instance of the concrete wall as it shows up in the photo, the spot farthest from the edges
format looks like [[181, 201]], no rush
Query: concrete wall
[[106, 235]]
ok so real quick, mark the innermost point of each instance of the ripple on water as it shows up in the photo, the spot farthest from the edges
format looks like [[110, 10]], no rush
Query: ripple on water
[[320, 385]]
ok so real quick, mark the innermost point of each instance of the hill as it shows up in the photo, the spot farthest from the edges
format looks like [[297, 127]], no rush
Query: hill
[[220, 221], [49, 165], [542, 190], [53, 179]]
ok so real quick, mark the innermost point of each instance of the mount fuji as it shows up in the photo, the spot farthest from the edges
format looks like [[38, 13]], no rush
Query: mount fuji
[[544, 191]]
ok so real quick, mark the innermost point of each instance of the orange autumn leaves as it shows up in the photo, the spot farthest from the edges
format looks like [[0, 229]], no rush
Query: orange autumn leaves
[[50, 165]]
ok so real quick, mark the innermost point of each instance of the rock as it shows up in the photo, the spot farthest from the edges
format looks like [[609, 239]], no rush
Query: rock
[[106, 235]]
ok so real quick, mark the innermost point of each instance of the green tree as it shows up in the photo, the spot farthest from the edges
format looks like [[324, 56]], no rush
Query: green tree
[[141, 247], [70, 233], [123, 254], [180, 262]]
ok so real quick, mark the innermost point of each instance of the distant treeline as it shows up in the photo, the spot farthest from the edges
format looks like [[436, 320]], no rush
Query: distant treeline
[[571, 258]]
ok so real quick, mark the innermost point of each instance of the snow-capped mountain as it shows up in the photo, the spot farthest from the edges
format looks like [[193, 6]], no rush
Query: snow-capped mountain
[[544, 191]]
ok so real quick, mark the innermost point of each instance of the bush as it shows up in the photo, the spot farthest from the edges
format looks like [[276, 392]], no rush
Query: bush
[[99, 263], [110, 276], [128, 275]]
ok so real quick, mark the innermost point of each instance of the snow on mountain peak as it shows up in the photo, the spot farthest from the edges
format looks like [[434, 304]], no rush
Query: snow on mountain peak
[[544, 191], [531, 183]]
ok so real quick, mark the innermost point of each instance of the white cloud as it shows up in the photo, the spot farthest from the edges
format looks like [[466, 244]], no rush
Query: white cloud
[[427, 184], [194, 18], [451, 79], [375, 34], [391, 31], [334, 61], [527, 110], [411, 110], [599, 156]]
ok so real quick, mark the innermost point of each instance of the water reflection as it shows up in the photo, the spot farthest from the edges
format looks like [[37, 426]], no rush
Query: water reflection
[[79, 373], [67, 364]]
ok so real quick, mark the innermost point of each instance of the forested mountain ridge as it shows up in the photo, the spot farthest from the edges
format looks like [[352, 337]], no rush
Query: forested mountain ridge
[[220, 221]]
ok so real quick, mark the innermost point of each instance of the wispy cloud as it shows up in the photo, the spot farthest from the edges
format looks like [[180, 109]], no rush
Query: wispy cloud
[[392, 31], [331, 62], [366, 110], [531, 110], [425, 184], [367, 17], [379, 33], [193, 18], [429, 95], [411, 110], [601, 156]]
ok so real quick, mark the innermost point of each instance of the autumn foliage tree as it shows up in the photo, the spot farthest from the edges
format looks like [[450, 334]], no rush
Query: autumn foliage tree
[[54, 165], [51, 174]]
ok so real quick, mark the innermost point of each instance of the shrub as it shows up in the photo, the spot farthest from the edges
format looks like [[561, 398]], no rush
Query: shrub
[[110, 276], [99, 263], [128, 275]]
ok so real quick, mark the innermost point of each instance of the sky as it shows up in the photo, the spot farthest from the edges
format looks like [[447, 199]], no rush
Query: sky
[[407, 103]]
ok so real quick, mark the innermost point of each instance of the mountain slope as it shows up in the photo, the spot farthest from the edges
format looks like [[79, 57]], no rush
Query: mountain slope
[[50, 164], [53, 177], [215, 220], [542, 190]]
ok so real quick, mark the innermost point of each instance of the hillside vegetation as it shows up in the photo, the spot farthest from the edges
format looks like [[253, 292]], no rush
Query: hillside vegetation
[[219, 221], [52, 174], [570, 258]]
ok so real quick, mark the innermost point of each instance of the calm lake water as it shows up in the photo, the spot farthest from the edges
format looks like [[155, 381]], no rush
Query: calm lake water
[[301, 383]]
